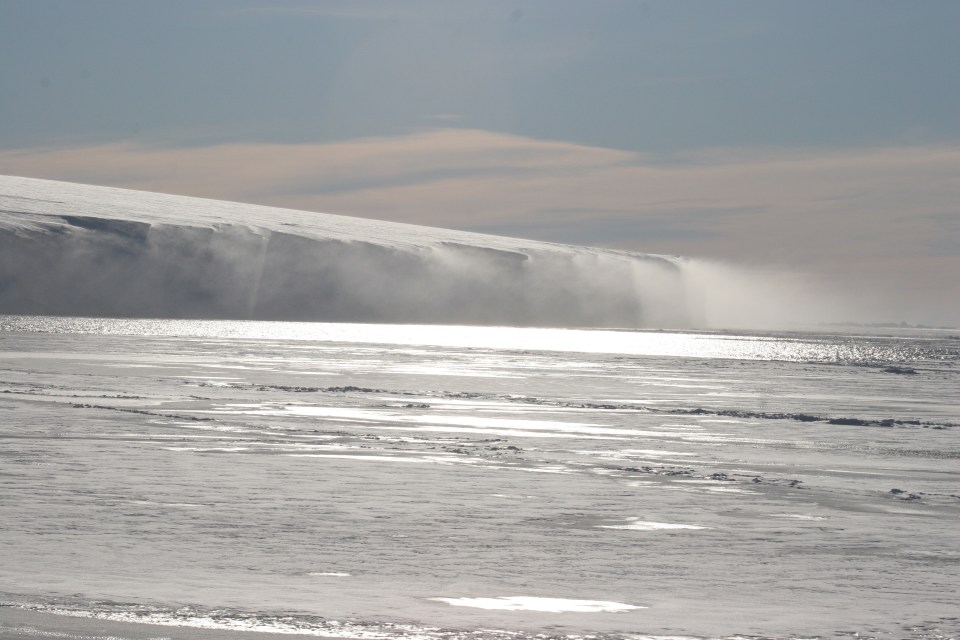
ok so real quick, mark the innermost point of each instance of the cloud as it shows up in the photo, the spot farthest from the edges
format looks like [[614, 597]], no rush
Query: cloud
[[878, 221]]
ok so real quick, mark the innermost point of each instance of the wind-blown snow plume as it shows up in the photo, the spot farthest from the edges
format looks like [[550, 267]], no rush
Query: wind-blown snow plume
[[85, 250]]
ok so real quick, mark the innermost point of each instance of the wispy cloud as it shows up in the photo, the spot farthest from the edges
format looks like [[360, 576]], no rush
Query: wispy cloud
[[877, 219]]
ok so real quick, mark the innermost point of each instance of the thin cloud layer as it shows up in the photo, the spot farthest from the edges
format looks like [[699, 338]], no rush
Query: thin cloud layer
[[880, 221]]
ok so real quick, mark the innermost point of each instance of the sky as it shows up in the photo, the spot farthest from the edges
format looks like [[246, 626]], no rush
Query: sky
[[819, 139]]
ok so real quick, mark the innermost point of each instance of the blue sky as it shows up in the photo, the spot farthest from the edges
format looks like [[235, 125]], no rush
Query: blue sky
[[817, 137]]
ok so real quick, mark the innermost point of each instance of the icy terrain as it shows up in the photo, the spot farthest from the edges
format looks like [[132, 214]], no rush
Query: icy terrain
[[85, 250], [456, 483]]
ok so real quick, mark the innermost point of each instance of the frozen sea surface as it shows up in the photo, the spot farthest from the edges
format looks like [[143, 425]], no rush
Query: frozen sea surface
[[439, 482]]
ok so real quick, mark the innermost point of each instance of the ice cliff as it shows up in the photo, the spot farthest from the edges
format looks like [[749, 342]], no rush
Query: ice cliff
[[70, 249]]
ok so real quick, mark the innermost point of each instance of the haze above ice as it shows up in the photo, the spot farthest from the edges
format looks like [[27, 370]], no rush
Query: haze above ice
[[815, 141]]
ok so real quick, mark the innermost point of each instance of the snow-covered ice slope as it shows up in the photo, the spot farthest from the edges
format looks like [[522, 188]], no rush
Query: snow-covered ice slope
[[86, 250]]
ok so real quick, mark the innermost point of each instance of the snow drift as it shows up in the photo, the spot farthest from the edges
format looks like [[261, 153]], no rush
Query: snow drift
[[69, 249]]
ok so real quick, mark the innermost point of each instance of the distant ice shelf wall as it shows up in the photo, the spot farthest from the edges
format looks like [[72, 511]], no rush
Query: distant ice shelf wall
[[69, 249]]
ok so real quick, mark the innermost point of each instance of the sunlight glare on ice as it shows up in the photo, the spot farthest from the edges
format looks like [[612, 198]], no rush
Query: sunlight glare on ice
[[634, 524], [548, 605]]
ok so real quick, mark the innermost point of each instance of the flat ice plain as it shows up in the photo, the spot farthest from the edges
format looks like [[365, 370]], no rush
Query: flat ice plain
[[388, 481]]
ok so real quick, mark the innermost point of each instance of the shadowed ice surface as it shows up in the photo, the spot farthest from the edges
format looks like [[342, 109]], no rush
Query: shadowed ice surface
[[374, 481]]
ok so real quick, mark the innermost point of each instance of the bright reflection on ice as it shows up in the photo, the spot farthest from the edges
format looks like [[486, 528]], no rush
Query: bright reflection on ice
[[635, 524], [649, 637], [645, 636], [460, 424], [651, 343], [367, 458], [548, 605]]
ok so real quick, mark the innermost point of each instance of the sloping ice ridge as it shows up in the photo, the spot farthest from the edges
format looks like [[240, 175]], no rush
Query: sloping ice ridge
[[71, 249]]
